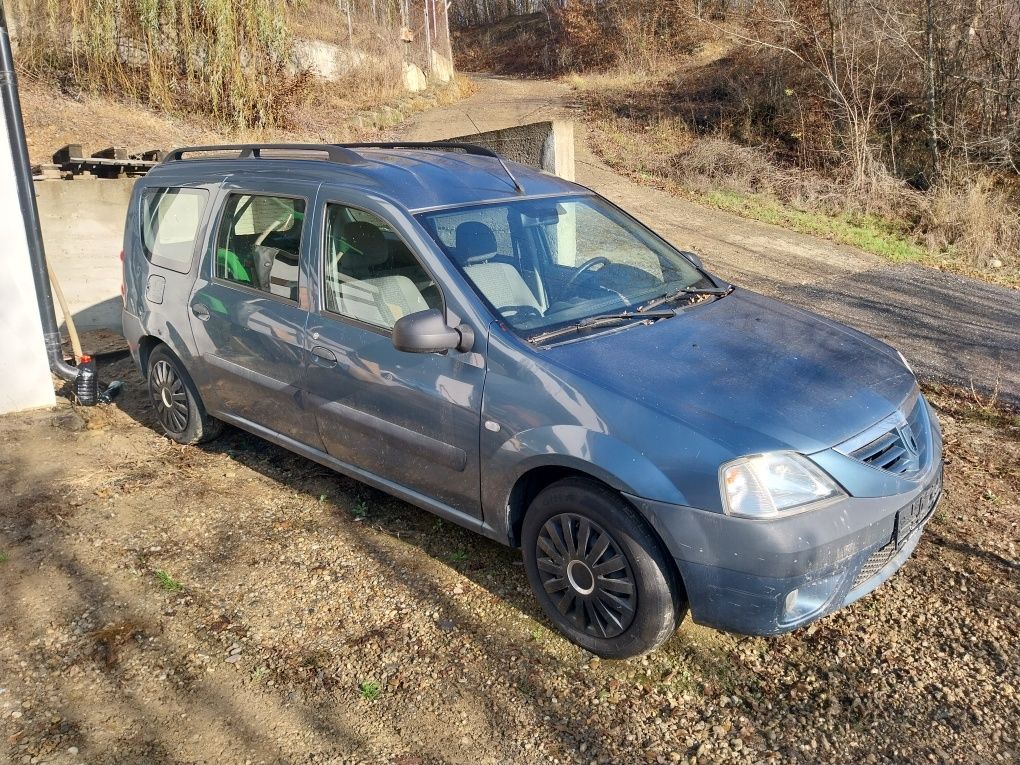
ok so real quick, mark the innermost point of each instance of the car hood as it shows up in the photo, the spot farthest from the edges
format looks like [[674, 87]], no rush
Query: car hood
[[748, 372]]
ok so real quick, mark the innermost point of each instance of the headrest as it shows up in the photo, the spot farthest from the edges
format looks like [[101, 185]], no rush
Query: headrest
[[364, 245], [474, 239]]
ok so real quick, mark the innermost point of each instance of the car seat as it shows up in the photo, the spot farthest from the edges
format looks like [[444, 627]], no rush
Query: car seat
[[366, 287], [473, 240]]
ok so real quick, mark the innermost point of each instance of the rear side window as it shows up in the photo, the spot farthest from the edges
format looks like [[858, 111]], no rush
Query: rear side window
[[171, 219], [259, 241]]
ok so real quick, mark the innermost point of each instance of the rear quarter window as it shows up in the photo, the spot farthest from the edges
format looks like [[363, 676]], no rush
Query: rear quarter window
[[171, 219]]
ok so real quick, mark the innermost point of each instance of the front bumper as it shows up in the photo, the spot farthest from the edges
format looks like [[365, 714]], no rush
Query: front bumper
[[759, 577]]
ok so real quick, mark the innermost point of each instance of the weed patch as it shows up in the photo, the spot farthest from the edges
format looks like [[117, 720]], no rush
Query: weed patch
[[167, 582], [869, 233]]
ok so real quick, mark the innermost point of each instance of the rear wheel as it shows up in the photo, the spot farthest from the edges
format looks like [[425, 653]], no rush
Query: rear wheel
[[178, 406], [599, 572]]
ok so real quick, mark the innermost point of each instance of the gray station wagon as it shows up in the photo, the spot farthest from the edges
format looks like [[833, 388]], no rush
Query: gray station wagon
[[513, 353]]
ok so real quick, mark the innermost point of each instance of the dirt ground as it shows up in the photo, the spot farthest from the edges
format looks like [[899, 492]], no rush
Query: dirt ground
[[233, 603]]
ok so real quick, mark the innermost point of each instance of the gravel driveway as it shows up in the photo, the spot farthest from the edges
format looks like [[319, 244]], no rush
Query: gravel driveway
[[238, 604]]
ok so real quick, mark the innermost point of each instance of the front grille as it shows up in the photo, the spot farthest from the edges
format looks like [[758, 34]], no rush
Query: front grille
[[875, 563], [901, 449], [888, 452]]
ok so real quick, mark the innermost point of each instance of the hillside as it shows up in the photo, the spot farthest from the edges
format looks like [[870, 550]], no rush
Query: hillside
[[54, 118], [863, 128]]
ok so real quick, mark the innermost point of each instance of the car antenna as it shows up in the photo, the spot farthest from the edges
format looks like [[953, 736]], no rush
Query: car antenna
[[502, 162]]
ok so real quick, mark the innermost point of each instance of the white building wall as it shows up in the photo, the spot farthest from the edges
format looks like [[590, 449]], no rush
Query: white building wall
[[25, 381]]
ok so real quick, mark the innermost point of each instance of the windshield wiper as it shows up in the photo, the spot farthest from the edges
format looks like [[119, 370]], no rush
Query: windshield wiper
[[675, 295], [601, 320]]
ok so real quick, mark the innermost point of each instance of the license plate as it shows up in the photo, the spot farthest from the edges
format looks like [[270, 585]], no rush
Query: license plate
[[918, 511]]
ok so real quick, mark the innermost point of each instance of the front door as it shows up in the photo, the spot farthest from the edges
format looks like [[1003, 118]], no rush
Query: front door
[[247, 312], [411, 419]]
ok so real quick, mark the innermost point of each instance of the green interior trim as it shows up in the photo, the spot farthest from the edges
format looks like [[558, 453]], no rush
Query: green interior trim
[[230, 266]]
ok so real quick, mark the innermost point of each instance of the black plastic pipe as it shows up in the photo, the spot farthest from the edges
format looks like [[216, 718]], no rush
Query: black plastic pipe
[[29, 209]]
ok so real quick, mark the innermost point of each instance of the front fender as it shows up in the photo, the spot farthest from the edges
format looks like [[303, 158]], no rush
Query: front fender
[[571, 446]]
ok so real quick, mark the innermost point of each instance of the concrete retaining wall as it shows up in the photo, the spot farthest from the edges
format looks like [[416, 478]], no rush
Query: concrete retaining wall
[[83, 231], [547, 146]]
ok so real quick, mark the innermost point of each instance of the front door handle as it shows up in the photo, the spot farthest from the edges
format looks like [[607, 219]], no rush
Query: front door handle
[[201, 311], [323, 356]]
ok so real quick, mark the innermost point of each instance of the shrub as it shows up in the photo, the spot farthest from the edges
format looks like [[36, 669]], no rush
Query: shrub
[[226, 57], [974, 218]]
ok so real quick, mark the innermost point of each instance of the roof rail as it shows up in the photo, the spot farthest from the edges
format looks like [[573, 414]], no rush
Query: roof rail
[[467, 148], [334, 152], [340, 152]]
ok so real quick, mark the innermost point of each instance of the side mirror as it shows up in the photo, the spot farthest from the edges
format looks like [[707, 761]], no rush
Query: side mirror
[[695, 259], [428, 332]]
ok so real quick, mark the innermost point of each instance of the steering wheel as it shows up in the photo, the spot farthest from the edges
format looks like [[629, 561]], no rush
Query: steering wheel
[[587, 266]]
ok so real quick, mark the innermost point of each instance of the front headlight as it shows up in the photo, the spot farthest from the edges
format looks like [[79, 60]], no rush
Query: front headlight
[[906, 363], [773, 484]]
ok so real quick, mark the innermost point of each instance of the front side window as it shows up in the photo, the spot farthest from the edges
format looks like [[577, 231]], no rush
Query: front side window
[[258, 243], [369, 273], [543, 263], [171, 219]]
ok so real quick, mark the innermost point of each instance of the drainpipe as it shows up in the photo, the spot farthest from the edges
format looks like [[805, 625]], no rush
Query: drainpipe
[[29, 210]]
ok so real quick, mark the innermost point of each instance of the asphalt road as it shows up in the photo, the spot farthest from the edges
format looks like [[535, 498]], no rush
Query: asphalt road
[[952, 329]]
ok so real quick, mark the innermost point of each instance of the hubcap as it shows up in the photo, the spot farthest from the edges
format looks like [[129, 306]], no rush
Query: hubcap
[[586, 575], [580, 577], [169, 397]]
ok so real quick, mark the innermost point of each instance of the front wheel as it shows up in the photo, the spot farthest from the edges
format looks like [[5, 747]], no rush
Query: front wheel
[[178, 406], [598, 570]]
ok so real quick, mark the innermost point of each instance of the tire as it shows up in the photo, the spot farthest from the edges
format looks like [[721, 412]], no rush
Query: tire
[[619, 598], [179, 409]]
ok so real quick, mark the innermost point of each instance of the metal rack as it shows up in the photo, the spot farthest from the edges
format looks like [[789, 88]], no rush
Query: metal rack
[[335, 152]]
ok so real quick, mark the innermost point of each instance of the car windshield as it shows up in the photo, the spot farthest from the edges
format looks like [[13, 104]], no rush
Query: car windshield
[[551, 262]]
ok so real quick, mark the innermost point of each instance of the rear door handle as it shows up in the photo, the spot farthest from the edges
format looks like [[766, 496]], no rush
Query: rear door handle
[[201, 311], [323, 356]]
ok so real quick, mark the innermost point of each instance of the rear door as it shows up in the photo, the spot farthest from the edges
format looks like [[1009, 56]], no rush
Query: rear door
[[163, 238], [250, 306]]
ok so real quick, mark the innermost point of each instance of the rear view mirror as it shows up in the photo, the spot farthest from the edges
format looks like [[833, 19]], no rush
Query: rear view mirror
[[694, 258], [428, 332], [544, 216]]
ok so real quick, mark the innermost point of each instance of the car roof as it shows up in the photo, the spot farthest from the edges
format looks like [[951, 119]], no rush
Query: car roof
[[416, 178]]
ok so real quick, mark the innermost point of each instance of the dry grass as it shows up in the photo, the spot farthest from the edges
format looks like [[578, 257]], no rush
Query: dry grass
[[517, 45], [636, 36], [967, 225], [976, 218], [229, 58], [368, 42], [328, 114]]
